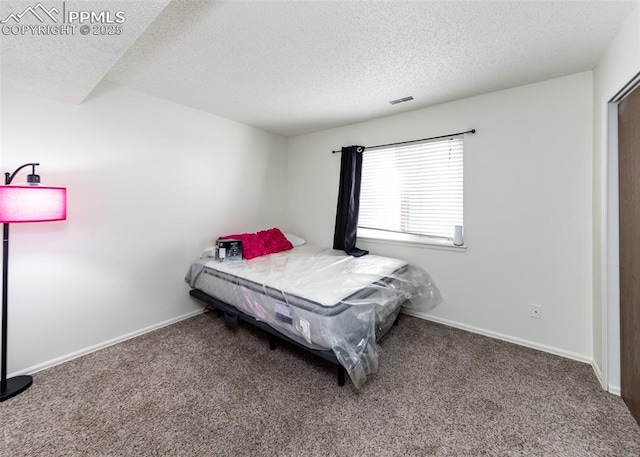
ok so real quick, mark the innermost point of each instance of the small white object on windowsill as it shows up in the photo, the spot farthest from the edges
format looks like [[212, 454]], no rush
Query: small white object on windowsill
[[458, 238]]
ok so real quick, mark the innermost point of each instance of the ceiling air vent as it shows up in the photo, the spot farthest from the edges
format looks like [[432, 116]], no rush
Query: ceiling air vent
[[401, 100]]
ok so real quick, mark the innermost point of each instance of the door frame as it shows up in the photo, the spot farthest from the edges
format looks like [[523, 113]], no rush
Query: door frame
[[611, 281]]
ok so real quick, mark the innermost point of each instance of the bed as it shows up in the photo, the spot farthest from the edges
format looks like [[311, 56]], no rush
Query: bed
[[329, 303]]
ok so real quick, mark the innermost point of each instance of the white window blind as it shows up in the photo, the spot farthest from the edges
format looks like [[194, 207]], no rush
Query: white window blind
[[415, 189]]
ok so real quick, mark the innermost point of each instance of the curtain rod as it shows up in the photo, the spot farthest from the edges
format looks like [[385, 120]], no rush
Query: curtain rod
[[415, 141]]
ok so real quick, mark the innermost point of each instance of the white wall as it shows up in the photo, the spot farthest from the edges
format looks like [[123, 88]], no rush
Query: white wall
[[619, 64], [150, 183], [527, 209]]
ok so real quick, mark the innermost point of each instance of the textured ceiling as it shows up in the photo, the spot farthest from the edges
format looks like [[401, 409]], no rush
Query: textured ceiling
[[60, 64], [293, 67], [297, 67]]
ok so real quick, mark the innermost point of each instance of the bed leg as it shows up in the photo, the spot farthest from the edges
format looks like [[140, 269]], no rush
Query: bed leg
[[340, 375], [273, 342], [396, 321]]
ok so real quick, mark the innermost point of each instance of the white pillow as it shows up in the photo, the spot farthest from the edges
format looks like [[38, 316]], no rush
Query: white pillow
[[295, 240], [209, 252]]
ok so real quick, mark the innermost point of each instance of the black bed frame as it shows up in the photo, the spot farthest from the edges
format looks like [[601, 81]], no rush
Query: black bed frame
[[233, 316]]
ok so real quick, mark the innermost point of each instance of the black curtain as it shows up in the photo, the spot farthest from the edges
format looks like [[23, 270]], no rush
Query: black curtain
[[344, 237]]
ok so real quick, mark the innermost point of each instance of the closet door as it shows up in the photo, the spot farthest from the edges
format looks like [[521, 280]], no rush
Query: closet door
[[629, 189]]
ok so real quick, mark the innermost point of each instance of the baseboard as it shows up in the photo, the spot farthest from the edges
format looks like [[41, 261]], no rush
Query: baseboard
[[615, 390], [104, 344], [500, 336], [598, 373]]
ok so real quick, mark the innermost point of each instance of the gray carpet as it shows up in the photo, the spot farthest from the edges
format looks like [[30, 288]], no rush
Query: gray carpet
[[198, 388]]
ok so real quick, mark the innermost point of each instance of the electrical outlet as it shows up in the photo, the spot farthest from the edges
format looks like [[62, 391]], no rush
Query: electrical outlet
[[536, 311]]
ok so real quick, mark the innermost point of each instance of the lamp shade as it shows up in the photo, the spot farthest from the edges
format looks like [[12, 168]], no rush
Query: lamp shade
[[32, 204]]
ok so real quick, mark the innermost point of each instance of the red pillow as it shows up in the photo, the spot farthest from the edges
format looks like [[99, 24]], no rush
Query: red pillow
[[261, 243]]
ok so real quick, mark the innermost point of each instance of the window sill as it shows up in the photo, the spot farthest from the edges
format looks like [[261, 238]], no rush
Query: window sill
[[400, 239]]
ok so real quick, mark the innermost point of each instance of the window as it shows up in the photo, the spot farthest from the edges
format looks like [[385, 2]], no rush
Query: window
[[414, 189]]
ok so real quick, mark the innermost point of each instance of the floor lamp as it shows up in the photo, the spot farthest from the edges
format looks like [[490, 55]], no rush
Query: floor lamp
[[28, 202]]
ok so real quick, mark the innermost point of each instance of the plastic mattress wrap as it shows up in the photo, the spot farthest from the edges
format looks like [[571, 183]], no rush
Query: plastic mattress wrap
[[321, 298]]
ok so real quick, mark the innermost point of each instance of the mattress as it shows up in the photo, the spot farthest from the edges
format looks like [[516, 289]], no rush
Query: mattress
[[321, 298]]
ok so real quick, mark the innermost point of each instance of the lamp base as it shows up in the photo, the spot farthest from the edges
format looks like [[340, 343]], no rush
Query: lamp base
[[15, 386]]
